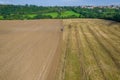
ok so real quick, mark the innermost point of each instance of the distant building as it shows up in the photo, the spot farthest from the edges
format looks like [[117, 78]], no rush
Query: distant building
[[110, 6]]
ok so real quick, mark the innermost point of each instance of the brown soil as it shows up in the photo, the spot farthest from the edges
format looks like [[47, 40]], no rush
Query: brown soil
[[28, 49]]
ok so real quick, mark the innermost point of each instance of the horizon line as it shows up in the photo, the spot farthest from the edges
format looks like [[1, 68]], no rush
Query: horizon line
[[60, 5]]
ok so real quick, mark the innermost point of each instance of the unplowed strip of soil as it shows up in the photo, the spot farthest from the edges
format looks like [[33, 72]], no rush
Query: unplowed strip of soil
[[29, 49]]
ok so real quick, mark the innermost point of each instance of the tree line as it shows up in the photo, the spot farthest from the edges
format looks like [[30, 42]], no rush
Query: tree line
[[11, 12]]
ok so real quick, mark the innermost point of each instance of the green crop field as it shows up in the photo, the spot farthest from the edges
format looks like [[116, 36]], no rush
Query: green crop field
[[31, 15], [52, 14], [1, 17], [91, 50], [69, 13]]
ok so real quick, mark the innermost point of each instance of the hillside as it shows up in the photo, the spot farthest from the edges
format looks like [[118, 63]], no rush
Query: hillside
[[23, 12]]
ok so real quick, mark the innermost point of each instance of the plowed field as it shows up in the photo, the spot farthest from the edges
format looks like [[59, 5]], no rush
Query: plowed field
[[28, 49]]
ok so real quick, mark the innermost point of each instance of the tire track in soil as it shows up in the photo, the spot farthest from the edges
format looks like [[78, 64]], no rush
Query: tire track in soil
[[105, 48], [107, 32], [95, 57], [108, 41], [45, 66], [33, 53], [66, 52], [114, 33], [82, 66], [19, 57]]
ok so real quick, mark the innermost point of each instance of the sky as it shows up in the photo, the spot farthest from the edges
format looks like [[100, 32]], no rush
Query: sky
[[61, 2]]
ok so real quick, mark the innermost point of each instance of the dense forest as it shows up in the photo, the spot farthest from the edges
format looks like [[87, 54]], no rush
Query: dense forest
[[23, 12]]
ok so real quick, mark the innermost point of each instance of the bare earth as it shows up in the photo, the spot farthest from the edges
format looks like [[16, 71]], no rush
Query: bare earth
[[28, 49]]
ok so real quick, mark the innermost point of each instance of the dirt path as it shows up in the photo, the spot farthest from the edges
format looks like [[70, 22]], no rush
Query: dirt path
[[28, 48]]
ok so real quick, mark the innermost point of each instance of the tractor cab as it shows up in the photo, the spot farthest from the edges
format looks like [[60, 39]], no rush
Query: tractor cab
[[61, 29]]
